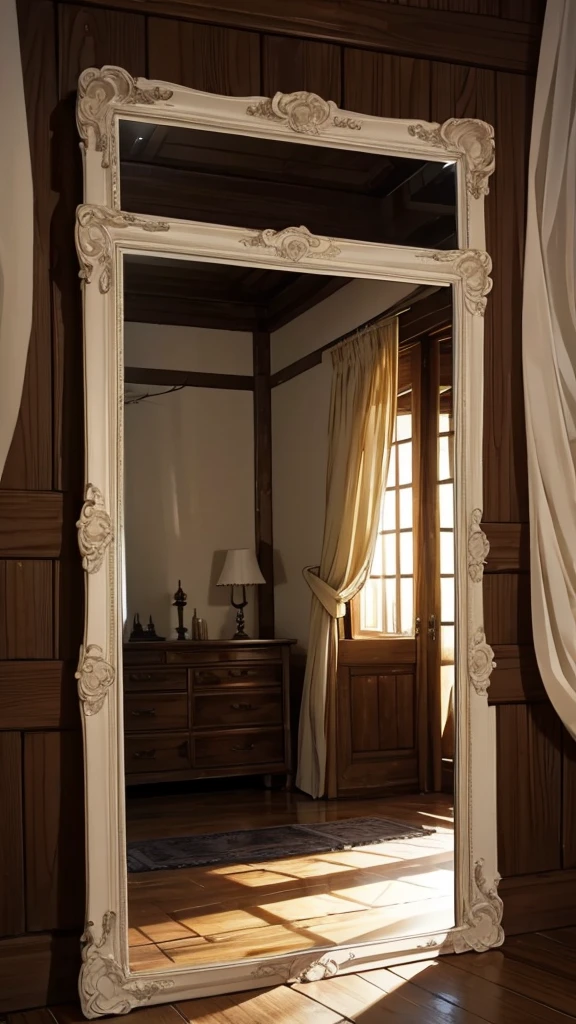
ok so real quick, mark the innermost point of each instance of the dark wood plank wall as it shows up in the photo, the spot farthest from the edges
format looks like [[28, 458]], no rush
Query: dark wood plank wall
[[247, 47]]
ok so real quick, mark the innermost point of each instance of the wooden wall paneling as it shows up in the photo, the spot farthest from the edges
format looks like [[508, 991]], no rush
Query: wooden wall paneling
[[523, 10], [529, 789], [289, 65], [454, 36], [38, 970], [29, 462], [467, 6], [87, 37], [504, 459], [386, 85], [30, 524], [459, 91], [206, 57], [263, 481], [516, 679], [26, 609], [90, 38], [538, 902], [509, 547], [53, 830], [38, 695], [11, 835], [568, 801], [507, 612]]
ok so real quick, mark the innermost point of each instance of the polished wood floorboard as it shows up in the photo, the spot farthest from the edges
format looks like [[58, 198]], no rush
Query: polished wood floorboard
[[531, 980], [198, 916]]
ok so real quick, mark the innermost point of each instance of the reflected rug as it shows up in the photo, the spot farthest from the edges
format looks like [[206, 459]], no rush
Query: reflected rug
[[260, 844]]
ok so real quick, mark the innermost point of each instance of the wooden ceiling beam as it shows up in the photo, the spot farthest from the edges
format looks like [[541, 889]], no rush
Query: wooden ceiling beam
[[191, 311], [152, 377], [306, 291], [475, 40]]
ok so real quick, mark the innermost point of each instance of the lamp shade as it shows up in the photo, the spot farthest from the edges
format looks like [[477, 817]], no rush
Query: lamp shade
[[240, 569]]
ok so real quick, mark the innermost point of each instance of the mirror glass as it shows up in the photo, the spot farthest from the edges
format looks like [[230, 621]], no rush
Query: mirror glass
[[260, 183], [227, 859]]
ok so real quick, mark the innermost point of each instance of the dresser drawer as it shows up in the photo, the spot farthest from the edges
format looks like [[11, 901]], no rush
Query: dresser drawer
[[154, 679], [157, 752], [220, 675], [219, 657], [241, 747], [238, 707], [156, 711]]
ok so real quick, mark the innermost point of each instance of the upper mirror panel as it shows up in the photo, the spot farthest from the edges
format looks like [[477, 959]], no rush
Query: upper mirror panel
[[250, 182]]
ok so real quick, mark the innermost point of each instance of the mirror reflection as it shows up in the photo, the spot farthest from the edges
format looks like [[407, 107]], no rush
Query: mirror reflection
[[265, 183], [238, 382]]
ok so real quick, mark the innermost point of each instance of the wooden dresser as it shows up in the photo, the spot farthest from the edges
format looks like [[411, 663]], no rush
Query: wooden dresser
[[210, 708]]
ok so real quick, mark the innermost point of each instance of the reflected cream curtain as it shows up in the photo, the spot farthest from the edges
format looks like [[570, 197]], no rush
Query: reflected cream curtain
[[361, 428], [16, 229], [549, 358]]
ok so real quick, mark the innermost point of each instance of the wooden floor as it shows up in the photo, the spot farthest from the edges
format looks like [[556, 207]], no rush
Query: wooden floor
[[532, 980], [213, 914]]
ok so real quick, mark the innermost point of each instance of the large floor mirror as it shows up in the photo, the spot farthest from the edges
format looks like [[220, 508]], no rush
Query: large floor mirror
[[289, 752]]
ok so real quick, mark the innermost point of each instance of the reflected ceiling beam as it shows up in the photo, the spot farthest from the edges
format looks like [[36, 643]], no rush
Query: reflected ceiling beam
[[251, 203], [186, 379]]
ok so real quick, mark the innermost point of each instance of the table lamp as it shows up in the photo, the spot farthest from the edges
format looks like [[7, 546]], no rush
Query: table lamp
[[240, 569]]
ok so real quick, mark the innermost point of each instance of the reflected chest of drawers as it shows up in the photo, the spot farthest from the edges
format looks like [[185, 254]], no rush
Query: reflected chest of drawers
[[211, 708]]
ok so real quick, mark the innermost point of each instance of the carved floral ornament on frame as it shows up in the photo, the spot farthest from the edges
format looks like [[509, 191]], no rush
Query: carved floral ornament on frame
[[107, 984]]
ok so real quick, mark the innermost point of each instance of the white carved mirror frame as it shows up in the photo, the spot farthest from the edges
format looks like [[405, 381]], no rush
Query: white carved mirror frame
[[103, 235]]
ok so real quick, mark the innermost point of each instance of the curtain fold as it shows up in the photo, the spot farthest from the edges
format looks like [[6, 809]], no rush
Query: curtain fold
[[16, 229], [360, 431], [549, 358]]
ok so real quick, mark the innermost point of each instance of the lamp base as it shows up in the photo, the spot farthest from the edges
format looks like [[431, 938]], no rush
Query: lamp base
[[240, 633]]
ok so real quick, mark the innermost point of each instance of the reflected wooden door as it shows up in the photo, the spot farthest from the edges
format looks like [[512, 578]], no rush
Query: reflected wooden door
[[396, 666]]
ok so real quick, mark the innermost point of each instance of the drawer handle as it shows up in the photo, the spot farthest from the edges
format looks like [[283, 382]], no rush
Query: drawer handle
[[144, 755], [243, 707], [141, 677], [143, 712], [247, 746]]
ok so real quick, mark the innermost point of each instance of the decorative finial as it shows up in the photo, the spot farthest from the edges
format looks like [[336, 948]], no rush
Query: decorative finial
[[180, 600]]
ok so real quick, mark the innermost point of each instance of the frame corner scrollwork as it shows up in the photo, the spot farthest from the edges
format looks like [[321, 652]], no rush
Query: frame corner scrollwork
[[94, 242], [468, 137], [483, 920], [105, 986], [100, 90], [474, 267]]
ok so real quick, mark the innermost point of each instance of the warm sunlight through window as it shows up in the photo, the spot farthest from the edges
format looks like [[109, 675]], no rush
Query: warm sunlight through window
[[447, 586], [387, 599]]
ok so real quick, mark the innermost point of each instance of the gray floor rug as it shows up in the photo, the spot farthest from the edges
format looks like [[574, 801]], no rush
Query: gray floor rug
[[260, 844]]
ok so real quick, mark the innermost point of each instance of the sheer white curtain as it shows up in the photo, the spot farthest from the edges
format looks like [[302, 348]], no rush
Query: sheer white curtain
[[16, 229], [549, 357], [361, 428]]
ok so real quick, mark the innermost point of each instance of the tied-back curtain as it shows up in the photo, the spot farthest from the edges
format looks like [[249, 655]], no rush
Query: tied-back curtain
[[16, 229], [549, 358], [361, 429]]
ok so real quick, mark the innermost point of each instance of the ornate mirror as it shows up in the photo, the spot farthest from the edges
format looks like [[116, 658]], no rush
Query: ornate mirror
[[230, 249]]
